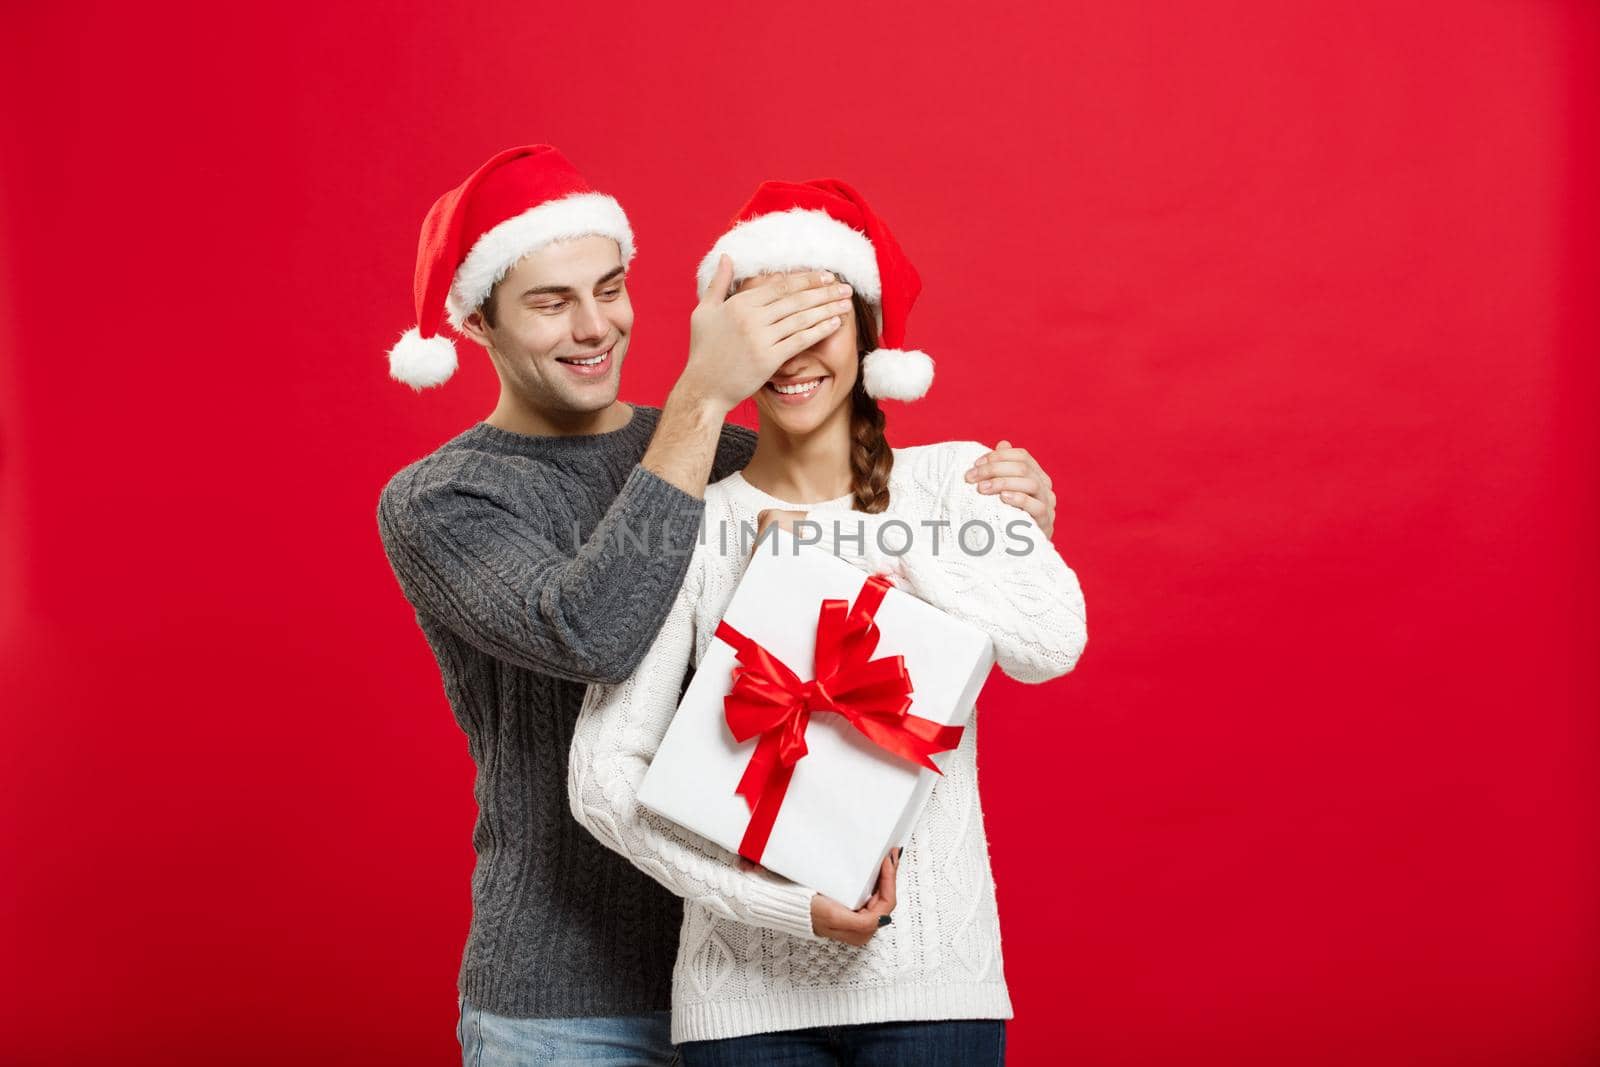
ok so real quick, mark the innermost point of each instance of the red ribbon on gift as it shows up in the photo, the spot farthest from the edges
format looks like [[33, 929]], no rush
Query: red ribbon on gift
[[770, 700]]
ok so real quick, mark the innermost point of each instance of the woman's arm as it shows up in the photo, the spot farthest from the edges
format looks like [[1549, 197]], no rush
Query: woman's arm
[[1019, 591], [618, 731]]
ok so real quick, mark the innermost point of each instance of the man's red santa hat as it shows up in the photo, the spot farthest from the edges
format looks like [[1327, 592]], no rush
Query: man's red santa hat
[[516, 203], [827, 225]]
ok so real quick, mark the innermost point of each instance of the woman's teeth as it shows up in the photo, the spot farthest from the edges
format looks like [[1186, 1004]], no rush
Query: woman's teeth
[[796, 390]]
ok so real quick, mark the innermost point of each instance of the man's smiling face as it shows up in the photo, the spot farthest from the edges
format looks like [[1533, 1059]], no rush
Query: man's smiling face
[[558, 324]]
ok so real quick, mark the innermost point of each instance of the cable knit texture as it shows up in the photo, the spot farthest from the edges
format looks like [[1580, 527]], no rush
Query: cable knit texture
[[748, 961], [483, 535]]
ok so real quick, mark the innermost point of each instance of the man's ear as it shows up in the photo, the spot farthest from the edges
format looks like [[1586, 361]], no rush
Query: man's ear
[[474, 327]]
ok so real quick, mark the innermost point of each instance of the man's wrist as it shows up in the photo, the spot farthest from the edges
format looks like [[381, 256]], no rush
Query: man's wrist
[[697, 408], [684, 447]]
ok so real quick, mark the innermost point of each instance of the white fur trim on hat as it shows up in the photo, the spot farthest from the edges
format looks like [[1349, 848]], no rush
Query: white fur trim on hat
[[497, 251], [422, 361], [893, 374], [797, 239]]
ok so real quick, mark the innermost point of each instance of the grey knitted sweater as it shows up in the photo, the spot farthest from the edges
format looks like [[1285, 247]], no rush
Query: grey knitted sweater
[[537, 565]]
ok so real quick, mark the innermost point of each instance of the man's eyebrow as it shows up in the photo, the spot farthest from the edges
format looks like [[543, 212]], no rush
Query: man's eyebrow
[[567, 290]]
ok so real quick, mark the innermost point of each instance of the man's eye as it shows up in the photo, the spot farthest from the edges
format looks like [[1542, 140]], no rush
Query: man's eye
[[611, 294], [557, 306]]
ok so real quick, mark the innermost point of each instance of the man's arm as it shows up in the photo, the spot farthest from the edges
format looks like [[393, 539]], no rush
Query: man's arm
[[733, 454], [685, 441], [524, 593], [736, 343]]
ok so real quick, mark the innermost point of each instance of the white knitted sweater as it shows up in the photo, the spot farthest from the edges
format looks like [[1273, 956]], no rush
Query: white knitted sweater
[[748, 961]]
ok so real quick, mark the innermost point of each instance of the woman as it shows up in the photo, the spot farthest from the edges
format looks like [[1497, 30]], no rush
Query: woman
[[767, 968]]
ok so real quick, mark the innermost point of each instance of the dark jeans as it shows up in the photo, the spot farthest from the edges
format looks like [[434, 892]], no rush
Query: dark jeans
[[957, 1042]]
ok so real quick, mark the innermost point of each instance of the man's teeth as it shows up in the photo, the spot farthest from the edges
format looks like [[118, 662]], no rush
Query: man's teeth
[[586, 362], [792, 390]]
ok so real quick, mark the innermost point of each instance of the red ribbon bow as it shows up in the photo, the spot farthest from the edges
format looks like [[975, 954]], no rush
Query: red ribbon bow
[[770, 700]]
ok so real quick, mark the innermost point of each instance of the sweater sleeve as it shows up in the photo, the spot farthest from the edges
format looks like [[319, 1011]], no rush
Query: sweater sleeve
[[735, 446], [526, 593], [617, 734], [987, 563]]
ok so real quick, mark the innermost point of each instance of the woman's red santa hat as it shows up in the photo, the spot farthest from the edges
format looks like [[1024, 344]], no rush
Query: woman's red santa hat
[[516, 203], [827, 225]]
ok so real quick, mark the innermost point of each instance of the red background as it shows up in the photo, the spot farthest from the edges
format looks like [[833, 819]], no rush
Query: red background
[[1296, 305]]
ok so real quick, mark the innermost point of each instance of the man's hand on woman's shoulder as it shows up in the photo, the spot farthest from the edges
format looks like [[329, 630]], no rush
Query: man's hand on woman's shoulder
[[1019, 480]]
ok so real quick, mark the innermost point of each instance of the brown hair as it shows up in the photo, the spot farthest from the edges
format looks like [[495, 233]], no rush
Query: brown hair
[[486, 309], [870, 458]]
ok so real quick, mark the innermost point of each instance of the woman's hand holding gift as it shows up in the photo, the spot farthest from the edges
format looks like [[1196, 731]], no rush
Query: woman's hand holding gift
[[784, 520], [833, 920]]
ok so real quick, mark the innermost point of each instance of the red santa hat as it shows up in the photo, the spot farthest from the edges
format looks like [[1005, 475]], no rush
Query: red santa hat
[[827, 225], [516, 203]]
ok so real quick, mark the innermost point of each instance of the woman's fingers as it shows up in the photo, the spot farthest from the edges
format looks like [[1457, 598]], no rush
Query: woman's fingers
[[887, 890], [784, 519], [833, 920], [883, 898]]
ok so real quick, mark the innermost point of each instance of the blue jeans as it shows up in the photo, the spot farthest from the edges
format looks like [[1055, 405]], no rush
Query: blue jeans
[[489, 1040], [956, 1043]]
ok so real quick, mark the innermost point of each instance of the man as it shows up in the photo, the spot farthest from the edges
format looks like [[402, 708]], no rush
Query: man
[[541, 549]]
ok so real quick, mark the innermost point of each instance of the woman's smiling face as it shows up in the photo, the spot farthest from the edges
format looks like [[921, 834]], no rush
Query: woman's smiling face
[[811, 385]]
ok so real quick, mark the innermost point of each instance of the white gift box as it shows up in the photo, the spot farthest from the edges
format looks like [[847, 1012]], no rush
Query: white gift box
[[849, 801]]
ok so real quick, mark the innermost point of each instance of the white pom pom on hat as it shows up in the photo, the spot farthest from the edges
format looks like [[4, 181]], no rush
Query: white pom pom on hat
[[825, 224], [516, 203], [420, 361], [895, 374]]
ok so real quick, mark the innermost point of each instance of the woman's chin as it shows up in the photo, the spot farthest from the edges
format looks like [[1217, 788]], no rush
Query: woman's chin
[[793, 421], [798, 417]]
